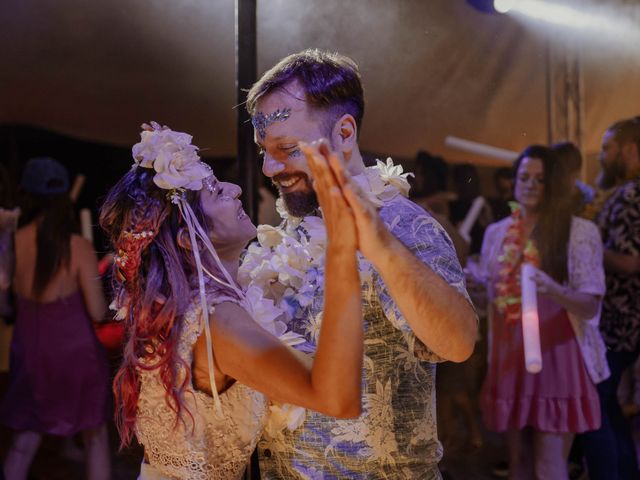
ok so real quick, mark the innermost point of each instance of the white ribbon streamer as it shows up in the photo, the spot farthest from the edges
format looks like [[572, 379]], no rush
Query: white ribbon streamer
[[189, 217]]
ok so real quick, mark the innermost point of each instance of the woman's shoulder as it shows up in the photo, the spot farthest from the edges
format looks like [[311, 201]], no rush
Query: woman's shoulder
[[81, 247], [26, 231], [583, 227], [218, 299], [79, 240], [496, 227]]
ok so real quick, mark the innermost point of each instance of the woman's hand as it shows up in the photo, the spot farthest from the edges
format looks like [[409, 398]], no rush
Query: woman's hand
[[472, 277], [585, 305], [372, 235], [338, 216], [546, 285]]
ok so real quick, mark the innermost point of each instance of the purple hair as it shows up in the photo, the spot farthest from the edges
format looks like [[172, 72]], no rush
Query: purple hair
[[331, 83], [157, 292]]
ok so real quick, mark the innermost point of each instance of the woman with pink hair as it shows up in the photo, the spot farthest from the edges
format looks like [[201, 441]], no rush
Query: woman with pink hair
[[195, 360]]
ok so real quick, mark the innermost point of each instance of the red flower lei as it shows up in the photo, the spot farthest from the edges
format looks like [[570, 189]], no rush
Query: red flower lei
[[508, 289]]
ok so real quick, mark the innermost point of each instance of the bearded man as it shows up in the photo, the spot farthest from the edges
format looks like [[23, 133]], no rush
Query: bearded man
[[610, 450], [416, 308]]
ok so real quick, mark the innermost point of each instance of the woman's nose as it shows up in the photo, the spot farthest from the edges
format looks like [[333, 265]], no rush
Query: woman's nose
[[233, 190]]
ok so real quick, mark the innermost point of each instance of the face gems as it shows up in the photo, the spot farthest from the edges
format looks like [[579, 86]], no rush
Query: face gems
[[210, 183], [260, 121]]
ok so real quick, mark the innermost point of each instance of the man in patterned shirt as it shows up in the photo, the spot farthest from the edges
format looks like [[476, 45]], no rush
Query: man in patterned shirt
[[610, 450], [415, 304]]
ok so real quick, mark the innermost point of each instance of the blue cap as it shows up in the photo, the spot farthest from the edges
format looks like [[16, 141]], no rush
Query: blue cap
[[44, 176]]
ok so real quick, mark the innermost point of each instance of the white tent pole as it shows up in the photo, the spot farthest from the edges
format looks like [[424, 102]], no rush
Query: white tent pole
[[480, 149]]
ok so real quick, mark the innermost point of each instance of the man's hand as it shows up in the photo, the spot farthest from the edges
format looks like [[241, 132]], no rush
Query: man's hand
[[338, 217]]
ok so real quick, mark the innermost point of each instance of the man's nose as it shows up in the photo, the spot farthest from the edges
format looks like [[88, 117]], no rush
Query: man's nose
[[270, 166]]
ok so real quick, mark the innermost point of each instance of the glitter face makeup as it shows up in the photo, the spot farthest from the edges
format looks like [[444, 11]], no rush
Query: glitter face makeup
[[260, 121], [210, 183]]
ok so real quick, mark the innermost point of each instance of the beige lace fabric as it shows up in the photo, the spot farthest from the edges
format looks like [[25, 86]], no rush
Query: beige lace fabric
[[201, 445]]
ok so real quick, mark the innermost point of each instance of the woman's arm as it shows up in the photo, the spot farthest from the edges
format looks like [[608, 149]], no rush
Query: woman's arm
[[250, 355], [586, 286], [584, 305], [88, 277], [331, 385]]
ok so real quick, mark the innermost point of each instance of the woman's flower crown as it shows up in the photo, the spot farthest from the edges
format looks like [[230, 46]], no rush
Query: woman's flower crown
[[178, 168], [172, 156]]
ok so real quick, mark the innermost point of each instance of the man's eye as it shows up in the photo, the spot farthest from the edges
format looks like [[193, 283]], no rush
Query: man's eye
[[292, 152]]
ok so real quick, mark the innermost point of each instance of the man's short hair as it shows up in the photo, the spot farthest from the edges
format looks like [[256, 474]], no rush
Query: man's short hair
[[625, 131], [331, 82]]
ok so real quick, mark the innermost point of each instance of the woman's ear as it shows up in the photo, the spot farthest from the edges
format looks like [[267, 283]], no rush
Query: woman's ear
[[183, 238]]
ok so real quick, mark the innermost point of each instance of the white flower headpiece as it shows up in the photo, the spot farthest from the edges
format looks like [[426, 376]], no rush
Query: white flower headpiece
[[172, 156]]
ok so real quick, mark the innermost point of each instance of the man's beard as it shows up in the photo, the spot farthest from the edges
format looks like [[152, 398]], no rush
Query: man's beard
[[300, 203], [612, 173]]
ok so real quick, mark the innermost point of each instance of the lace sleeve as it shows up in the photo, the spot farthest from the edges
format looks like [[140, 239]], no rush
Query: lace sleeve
[[586, 271]]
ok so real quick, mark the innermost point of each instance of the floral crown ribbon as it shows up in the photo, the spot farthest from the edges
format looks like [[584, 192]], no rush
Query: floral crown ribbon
[[178, 168]]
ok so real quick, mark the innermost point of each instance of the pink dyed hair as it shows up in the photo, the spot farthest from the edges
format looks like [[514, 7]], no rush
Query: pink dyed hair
[[157, 292]]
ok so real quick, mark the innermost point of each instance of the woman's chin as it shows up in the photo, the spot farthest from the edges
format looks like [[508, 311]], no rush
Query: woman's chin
[[252, 231], [530, 204]]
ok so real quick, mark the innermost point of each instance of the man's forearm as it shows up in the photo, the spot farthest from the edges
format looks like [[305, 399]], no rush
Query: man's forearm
[[438, 314], [621, 263]]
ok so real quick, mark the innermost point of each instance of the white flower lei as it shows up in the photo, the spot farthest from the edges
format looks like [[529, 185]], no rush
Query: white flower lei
[[285, 267], [284, 270]]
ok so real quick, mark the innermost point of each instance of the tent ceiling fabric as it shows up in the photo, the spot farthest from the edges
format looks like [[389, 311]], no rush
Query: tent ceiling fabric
[[96, 70]]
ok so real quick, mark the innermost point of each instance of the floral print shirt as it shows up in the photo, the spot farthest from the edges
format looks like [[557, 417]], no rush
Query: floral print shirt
[[619, 224], [395, 437]]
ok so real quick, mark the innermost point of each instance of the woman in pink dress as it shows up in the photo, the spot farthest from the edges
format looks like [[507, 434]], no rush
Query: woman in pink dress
[[541, 412]]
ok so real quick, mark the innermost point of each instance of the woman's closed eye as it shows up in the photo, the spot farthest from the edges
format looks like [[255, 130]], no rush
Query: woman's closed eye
[[527, 178]]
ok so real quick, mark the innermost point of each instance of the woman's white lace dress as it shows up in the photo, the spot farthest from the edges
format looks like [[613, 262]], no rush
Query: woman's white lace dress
[[201, 445]]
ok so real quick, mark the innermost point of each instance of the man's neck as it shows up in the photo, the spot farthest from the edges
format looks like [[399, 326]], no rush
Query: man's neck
[[354, 161]]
